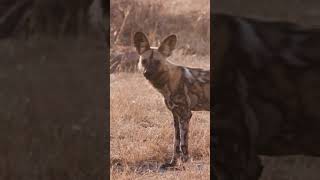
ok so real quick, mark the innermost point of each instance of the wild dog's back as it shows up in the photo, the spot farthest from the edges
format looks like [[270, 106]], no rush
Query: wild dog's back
[[198, 83]]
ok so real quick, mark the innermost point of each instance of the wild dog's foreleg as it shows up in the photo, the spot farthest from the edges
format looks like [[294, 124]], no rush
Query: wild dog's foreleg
[[177, 139], [176, 145], [185, 116], [180, 108]]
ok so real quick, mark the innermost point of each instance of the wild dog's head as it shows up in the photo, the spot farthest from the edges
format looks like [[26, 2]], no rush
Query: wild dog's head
[[153, 59]]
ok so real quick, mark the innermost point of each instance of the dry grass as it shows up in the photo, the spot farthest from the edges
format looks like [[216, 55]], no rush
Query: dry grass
[[141, 134]]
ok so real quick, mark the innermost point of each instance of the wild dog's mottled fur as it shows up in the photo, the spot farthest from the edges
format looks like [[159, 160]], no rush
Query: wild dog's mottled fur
[[184, 89]]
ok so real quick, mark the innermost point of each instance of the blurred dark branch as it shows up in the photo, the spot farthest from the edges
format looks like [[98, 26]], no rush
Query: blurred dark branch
[[50, 17], [126, 13], [12, 10]]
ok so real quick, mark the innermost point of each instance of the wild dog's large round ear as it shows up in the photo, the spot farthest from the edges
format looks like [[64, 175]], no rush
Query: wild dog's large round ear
[[141, 42], [168, 45]]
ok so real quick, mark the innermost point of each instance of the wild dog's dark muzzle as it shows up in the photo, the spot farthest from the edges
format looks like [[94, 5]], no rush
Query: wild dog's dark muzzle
[[147, 74], [150, 71]]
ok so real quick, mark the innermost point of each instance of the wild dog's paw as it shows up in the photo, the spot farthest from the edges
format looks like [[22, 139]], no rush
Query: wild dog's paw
[[184, 158], [168, 165]]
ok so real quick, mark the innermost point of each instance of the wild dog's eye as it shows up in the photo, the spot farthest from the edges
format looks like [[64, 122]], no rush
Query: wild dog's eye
[[144, 61]]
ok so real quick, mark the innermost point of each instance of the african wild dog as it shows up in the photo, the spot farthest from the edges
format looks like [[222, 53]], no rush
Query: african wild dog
[[266, 93], [184, 89]]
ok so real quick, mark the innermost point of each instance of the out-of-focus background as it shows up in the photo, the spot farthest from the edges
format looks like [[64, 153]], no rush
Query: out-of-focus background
[[53, 79], [157, 19], [305, 12]]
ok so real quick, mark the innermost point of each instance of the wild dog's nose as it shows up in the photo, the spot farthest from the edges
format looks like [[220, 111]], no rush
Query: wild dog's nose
[[147, 74]]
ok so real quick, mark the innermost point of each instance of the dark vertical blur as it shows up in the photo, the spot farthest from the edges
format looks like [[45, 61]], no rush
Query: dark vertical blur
[[300, 11], [54, 89], [304, 12]]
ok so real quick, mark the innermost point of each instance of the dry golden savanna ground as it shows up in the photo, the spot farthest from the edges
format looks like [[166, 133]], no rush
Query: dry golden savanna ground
[[142, 129]]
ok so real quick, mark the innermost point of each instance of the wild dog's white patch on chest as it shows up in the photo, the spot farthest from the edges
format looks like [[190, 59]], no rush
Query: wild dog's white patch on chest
[[201, 79], [188, 75]]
